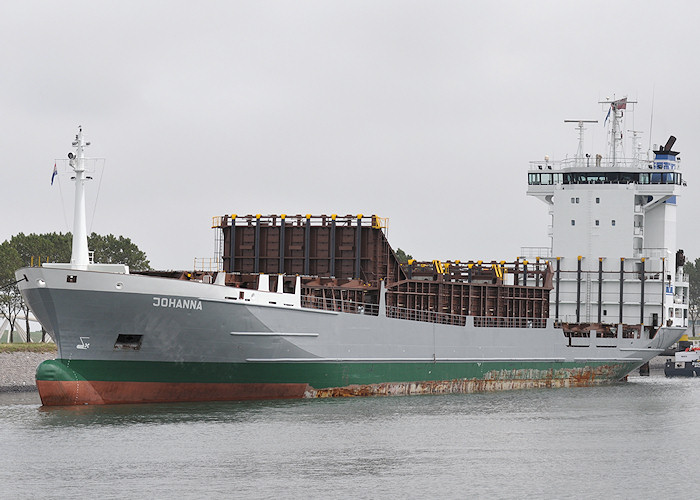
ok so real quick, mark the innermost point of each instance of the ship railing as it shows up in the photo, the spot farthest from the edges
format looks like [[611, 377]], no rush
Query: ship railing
[[534, 252], [651, 253], [425, 316], [208, 264], [337, 305], [502, 322], [545, 165]]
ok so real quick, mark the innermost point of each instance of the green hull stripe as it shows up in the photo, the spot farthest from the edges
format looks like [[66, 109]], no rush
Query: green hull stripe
[[322, 375]]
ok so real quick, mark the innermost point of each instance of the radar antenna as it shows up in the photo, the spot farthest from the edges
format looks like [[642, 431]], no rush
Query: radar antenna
[[579, 152], [637, 143]]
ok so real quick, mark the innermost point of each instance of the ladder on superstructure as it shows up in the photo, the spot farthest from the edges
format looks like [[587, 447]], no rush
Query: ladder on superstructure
[[219, 249]]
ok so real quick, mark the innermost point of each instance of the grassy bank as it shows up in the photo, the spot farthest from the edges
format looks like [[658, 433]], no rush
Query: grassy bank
[[22, 347]]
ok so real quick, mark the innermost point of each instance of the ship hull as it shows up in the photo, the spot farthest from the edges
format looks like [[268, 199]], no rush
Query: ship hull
[[62, 382], [198, 343]]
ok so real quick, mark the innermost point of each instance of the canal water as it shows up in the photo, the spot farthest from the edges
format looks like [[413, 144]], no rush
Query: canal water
[[637, 439]]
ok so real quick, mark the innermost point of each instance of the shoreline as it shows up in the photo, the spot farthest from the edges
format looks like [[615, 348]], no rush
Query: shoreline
[[17, 370]]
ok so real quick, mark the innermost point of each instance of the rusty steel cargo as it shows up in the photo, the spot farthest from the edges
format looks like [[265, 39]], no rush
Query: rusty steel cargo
[[313, 306]]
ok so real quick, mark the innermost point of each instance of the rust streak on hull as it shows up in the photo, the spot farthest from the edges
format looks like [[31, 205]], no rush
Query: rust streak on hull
[[448, 387]]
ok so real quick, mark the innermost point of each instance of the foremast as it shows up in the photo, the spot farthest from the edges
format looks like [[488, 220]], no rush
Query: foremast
[[80, 257]]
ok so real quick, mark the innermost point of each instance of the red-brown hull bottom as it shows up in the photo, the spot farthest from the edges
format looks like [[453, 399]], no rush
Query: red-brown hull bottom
[[66, 393]]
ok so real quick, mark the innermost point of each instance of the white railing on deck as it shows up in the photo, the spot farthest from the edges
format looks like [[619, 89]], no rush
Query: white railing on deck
[[208, 264], [549, 165], [352, 307]]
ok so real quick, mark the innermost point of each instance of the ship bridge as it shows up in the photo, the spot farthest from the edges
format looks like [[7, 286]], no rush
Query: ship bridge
[[660, 178], [612, 232]]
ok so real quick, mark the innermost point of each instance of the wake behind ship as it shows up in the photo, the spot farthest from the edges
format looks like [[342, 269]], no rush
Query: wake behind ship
[[320, 306]]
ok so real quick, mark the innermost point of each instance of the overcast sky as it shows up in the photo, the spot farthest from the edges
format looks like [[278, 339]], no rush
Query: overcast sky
[[424, 112]]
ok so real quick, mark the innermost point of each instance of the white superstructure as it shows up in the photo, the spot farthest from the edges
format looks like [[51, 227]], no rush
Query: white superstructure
[[613, 232]]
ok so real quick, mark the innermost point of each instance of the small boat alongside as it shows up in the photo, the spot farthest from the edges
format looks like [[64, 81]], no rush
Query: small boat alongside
[[684, 363]]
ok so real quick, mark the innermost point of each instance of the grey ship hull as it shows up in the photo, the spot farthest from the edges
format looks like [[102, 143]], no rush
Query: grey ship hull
[[129, 338]]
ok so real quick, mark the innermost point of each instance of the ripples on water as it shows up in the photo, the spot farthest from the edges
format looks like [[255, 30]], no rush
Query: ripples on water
[[634, 439]]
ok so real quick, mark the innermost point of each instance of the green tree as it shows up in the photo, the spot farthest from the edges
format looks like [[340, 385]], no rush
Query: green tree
[[56, 247], [110, 249], [39, 248], [10, 298], [35, 249], [692, 269], [402, 256]]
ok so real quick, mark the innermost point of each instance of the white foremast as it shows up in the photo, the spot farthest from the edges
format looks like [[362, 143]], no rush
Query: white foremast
[[80, 257]]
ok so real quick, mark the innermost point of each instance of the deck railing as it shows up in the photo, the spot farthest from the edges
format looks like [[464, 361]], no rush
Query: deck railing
[[352, 307], [338, 305], [501, 322], [426, 316]]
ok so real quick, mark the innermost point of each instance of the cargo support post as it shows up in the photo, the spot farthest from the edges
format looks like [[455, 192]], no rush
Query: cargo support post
[[332, 273], [600, 289], [307, 244], [578, 291], [283, 218], [556, 293], [622, 282], [358, 246], [641, 305]]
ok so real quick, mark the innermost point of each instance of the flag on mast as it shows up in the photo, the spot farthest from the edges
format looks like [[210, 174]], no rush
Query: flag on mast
[[620, 104], [55, 172], [616, 105]]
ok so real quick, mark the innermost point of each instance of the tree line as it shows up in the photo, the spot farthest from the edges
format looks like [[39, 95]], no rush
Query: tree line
[[692, 269], [24, 250]]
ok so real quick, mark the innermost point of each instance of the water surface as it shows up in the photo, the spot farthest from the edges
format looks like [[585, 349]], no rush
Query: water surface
[[634, 439]]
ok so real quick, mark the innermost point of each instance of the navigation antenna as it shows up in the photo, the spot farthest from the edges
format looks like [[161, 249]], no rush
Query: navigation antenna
[[579, 152], [637, 142], [617, 107]]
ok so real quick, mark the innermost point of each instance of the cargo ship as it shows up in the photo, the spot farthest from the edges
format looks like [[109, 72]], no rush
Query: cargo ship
[[313, 306]]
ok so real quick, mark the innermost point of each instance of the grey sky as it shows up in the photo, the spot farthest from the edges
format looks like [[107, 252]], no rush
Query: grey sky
[[424, 112]]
